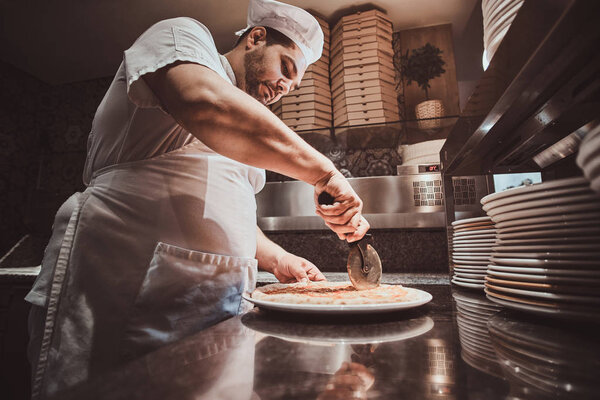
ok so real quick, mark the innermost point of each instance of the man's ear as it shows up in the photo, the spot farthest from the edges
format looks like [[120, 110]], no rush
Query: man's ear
[[257, 35]]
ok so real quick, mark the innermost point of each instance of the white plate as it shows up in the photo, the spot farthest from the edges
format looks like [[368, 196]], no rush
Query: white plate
[[561, 240], [571, 233], [472, 245], [539, 309], [543, 262], [480, 271], [423, 298], [479, 232], [468, 280], [566, 218], [473, 227], [559, 183], [578, 290], [468, 221], [543, 194], [468, 285], [552, 202], [468, 242], [470, 258], [590, 221], [547, 248], [478, 277], [471, 267], [487, 236], [462, 253], [543, 278], [545, 271], [557, 211]]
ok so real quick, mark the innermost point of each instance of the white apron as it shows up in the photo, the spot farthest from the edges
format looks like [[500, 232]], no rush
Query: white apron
[[152, 252]]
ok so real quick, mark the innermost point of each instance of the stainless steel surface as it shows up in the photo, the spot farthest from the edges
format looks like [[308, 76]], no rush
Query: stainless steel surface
[[564, 147], [534, 93], [388, 202]]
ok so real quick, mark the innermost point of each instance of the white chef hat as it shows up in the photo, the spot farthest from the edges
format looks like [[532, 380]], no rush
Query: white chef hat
[[294, 22]]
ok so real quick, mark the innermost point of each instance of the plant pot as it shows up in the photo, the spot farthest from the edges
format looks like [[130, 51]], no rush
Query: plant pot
[[429, 109]]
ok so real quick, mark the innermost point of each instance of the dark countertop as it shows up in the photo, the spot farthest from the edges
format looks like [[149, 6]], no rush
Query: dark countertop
[[458, 346]]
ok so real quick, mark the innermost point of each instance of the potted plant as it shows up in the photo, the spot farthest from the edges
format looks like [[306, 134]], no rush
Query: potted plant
[[422, 65]]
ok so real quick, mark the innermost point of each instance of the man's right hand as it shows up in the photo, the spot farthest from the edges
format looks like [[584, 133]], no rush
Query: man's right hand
[[344, 215]]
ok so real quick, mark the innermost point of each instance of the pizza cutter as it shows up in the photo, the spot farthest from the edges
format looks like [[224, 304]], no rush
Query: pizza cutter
[[364, 265]]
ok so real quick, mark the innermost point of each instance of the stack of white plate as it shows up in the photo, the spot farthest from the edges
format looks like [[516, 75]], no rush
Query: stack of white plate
[[547, 255], [497, 18], [588, 157], [472, 243], [473, 313], [544, 361]]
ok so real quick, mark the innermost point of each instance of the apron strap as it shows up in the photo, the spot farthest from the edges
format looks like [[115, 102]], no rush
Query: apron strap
[[58, 281]]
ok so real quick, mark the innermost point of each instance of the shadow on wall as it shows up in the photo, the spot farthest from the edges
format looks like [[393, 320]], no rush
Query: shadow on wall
[[43, 135]]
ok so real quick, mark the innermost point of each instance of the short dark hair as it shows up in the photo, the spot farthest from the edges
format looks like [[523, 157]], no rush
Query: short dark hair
[[273, 37]]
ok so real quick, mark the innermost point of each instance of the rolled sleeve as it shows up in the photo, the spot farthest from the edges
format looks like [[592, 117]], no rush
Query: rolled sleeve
[[168, 41]]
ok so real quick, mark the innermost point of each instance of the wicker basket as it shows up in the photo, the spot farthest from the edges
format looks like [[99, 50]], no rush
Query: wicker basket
[[429, 109]]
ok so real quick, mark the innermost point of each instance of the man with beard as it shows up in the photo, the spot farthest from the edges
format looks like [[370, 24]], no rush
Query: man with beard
[[163, 241]]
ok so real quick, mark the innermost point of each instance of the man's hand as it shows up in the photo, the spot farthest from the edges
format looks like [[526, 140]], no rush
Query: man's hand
[[291, 268], [344, 215], [351, 381]]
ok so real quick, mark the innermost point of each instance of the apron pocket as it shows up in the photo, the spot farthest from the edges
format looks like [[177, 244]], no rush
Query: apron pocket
[[183, 292]]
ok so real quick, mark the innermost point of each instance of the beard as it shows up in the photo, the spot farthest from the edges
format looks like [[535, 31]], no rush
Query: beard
[[254, 66]]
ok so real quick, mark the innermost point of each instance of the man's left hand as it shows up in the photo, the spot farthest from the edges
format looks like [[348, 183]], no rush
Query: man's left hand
[[291, 268]]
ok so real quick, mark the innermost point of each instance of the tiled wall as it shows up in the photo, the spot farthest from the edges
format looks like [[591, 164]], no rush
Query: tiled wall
[[43, 134]]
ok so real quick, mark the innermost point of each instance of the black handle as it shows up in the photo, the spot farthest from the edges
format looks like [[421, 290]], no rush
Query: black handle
[[326, 199]]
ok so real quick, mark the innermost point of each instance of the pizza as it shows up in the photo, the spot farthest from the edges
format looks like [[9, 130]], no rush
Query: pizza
[[332, 293]]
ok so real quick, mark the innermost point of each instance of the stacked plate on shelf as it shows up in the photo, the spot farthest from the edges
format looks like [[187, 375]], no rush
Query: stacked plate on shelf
[[310, 106], [546, 361], [497, 18], [362, 70], [473, 313], [472, 242], [588, 157], [547, 255]]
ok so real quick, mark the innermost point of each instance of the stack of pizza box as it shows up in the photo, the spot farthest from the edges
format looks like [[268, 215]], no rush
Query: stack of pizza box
[[310, 106], [362, 71]]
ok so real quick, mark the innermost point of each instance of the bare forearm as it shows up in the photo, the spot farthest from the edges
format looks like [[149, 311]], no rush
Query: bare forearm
[[237, 126], [268, 253]]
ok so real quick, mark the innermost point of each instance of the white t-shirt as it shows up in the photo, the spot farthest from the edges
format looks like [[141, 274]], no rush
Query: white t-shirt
[[130, 124]]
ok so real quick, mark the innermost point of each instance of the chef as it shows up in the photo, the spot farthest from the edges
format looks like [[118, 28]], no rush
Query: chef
[[163, 241]]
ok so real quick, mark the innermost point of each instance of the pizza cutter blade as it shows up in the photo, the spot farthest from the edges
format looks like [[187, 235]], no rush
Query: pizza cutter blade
[[364, 264]]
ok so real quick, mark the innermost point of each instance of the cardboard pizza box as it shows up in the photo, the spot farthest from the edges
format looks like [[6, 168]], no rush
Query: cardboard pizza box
[[360, 107], [320, 83], [367, 83], [359, 40], [362, 68], [386, 90], [312, 76], [319, 70], [361, 58], [363, 24], [365, 116], [292, 99], [306, 89], [307, 113], [306, 105], [373, 30], [376, 44], [320, 63], [346, 81], [296, 122], [342, 101], [364, 15], [341, 36]]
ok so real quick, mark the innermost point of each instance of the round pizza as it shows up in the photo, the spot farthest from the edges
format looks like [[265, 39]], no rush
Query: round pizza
[[332, 293]]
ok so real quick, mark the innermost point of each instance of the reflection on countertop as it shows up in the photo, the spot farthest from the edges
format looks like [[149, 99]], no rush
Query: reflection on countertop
[[413, 354]]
